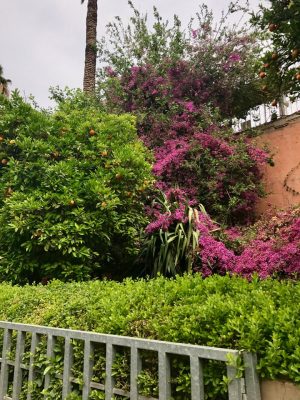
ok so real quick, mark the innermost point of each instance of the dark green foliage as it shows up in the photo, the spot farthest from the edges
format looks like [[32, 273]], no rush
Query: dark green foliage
[[280, 62], [72, 185]]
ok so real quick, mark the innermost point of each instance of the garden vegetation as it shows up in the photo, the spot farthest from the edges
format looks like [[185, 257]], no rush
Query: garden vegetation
[[72, 188], [230, 312], [146, 178]]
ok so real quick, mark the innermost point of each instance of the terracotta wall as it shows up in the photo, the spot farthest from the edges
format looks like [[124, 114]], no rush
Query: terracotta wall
[[282, 182], [276, 390]]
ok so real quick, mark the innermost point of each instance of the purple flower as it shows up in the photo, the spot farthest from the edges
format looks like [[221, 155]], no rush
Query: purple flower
[[194, 33], [234, 57]]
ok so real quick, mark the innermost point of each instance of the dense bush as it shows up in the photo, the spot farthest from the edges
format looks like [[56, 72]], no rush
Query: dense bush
[[210, 164], [271, 247], [258, 316], [215, 168], [181, 86], [268, 248], [72, 187]]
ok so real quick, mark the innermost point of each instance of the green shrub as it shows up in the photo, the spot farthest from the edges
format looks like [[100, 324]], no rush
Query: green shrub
[[258, 316], [72, 189]]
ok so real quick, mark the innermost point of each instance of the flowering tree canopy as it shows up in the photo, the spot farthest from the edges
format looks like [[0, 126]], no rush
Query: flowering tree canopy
[[215, 62]]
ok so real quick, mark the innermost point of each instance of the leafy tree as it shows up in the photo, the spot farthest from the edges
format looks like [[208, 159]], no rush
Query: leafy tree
[[72, 189], [3, 83], [91, 46], [218, 57], [280, 69]]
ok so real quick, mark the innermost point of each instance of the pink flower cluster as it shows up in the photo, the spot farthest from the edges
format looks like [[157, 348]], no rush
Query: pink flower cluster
[[170, 156], [173, 102], [258, 155], [217, 146], [273, 252], [163, 219], [275, 249]]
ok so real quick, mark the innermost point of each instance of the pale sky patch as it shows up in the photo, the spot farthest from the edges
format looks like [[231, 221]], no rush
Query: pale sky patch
[[42, 41]]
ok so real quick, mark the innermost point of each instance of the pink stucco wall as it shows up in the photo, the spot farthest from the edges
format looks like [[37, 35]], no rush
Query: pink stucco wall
[[282, 182]]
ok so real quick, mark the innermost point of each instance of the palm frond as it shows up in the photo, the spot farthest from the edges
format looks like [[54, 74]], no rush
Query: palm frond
[[171, 252]]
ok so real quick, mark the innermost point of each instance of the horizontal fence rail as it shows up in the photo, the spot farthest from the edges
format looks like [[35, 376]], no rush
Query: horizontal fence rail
[[265, 113], [29, 354]]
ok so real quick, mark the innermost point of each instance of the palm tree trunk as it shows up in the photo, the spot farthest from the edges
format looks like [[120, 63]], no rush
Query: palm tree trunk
[[89, 79], [4, 83]]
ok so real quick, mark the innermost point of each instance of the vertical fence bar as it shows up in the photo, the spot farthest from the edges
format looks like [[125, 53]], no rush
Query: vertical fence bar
[[17, 382], [234, 385], [4, 367], [109, 380], [197, 383], [135, 369], [265, 113], [50, 355], [164, 373], [251, 377], [281, 106], [31, 374], [87, 369], [68, 361]]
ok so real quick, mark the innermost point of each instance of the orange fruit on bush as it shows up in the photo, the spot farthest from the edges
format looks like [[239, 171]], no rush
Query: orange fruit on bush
[[273, 27], [274, 103], [8, 192], [92, 132], [262, 74], [4, 161], [274, 56], [55, 154], [295, 53]]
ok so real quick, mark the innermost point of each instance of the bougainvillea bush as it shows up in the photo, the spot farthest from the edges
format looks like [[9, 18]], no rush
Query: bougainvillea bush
[[181, 86], [268, 248], [72, 188], [184, 88], [271, 247], [210, 61], [216, 168]]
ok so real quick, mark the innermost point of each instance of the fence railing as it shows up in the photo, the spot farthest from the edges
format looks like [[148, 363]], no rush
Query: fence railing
[[20, 368], [263, 114]]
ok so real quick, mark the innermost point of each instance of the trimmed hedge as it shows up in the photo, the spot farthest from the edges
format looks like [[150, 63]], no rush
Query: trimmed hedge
[[258, 316]]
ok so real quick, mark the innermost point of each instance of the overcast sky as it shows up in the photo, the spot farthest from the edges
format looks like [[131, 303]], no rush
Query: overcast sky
[[42, 41]]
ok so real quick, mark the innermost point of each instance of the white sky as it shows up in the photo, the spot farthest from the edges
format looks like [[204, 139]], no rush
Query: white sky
[[42, 41]]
